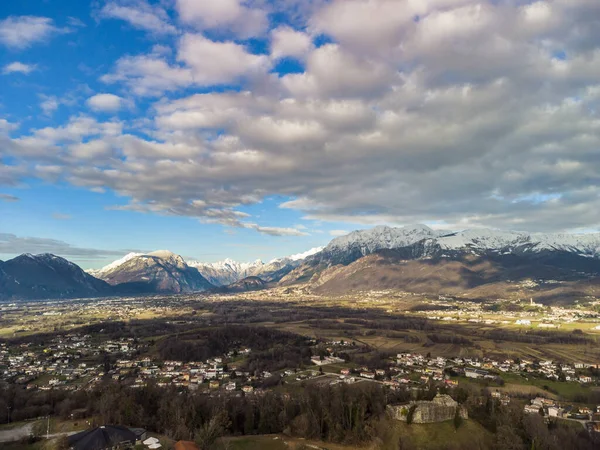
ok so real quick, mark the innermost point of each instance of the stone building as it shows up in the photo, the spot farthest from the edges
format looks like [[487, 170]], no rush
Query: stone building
[[440, 409]]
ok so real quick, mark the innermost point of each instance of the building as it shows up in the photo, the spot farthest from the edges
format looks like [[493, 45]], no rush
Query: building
[[531, 409], [440, 409], [475, 373], [107, 437]]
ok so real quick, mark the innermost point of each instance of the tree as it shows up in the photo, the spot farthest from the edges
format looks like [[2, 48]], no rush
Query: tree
[[410, 414], [213, 429], [457, 419]]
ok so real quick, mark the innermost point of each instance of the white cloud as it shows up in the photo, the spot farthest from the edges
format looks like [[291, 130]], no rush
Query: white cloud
[[19, 32], [149, 75], [464, 115], [105, 102], [140, 15], [49, 104], [285, 41], [337, 233], [18, 67], [218, 62], [232, 15], [202, 62]]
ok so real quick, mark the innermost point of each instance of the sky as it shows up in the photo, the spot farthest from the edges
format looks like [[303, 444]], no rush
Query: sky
[[262, 128]]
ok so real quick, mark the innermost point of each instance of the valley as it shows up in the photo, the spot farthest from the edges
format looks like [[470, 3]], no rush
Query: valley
[[506, 324], [256, 349]]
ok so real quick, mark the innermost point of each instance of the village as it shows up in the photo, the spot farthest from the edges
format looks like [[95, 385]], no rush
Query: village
[[64, 363]]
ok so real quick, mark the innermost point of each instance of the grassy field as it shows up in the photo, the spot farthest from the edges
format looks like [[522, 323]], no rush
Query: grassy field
[[564, 391], [277, 442], [439, 435], [384, 341]]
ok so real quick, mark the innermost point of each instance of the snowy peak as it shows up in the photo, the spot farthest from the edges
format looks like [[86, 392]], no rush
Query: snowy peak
[[420, 241], [510, 241], [169, 257], [381, 237], [158, 271], [304, 255], [226, 272], [113, 265]]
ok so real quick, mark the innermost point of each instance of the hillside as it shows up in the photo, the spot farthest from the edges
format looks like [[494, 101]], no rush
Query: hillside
[[471, 276], [161, 271], [47, 276], [245, 285]]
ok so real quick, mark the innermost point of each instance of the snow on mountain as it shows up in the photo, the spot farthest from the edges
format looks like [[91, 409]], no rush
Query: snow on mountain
[[508, 241], [226, 272], [158, 271], [582, 244], [113, 265], [483, 239], [306, 254], [345, 249], [170, 257]]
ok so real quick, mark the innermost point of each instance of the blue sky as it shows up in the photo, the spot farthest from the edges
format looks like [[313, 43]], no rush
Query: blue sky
[[256, 129], [67, 66]]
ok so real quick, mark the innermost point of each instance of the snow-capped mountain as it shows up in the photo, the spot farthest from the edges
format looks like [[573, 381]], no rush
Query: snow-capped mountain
[[487, 240], [223, 273], [113, 265], [159, 271], [345, 249], [348, 248], [417, 258]]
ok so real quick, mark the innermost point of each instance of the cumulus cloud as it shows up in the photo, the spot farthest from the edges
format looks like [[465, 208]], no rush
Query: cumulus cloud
[[18, 67], [202, 62], [20, 32], [464, 112], [139, 14], [285, 41], [233, 15], [105, 102], [49, 104]]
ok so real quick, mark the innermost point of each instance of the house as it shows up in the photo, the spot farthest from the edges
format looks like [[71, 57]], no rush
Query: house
[[248, 389], [213, 384], [475, 373], [554, 411], [103, 438], [531, 409]]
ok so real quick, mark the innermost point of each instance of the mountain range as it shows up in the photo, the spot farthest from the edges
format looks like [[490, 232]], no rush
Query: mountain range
[[480, 262], [226, 272]]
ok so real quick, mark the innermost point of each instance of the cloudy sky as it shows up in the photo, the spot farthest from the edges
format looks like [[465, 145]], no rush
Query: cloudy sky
[[259, 128]]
